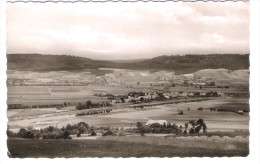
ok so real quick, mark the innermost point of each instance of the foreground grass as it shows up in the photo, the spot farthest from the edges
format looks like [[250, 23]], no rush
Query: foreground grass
[[22, 148], [243, 134]]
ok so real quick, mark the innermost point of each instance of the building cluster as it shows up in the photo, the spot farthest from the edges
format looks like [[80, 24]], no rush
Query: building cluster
[[141, 96]]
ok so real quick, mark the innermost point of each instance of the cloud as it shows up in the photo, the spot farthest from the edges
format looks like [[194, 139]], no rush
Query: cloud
[[128, 30], [213, 19]]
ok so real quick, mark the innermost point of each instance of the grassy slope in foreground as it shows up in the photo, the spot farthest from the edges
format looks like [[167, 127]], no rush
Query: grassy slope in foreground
[[22, 148], [180, 64]]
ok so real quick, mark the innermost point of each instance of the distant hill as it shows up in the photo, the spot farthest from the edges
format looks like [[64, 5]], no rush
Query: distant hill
[[179, 64], [237, 76]]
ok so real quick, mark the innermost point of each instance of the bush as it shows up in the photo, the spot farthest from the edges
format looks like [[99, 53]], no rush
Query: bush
[[155, 125], [24, 133], [74, 131], [191, 131], [52, 132], [108, 133], [50, 128], [11, 134], [121, 134], [93, 133], [66, 135]]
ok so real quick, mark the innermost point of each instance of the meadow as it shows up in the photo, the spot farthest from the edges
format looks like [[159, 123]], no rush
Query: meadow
[[141, 147], [127, 117], [41, 95]]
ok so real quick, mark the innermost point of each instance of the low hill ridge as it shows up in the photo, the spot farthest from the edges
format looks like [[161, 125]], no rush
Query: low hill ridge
[[179, 64]]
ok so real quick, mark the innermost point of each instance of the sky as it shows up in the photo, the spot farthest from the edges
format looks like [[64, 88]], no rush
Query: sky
[[123, 31]]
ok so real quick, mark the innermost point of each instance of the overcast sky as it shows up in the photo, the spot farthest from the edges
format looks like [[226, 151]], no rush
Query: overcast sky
[[128, 30]]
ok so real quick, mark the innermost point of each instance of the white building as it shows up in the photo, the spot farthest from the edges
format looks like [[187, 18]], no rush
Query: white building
[[161, 122]]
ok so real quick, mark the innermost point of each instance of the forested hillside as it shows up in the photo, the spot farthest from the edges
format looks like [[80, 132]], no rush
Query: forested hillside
[[180, 64]]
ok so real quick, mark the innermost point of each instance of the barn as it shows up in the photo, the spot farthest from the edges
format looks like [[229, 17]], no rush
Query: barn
[[161, 122]]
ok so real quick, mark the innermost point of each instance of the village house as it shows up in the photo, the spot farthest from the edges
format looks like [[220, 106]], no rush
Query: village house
[[183, 94], [167, 95], [199, 84], [161, 122], [142, 98], [203, 94]]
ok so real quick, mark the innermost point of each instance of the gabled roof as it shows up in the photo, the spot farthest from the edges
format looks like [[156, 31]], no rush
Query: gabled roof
[[161, 122]]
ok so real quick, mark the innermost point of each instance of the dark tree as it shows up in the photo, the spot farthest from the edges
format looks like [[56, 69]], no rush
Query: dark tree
[[212, 83], [186, 125], [193, 123], [139, 125], [89, 104], [200, 122], [66, 134], [141, 99], [164, 125], [22, 132], [108, 133], [191, 131], [155, 125], [93, 133], [197, 129], [204, 128], [50, 128], [10, 133], [83, 124]]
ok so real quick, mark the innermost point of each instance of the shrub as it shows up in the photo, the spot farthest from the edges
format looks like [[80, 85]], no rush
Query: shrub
[[11, 134], [191, 131], [155, 125], [22, 132], [200, 122], [74, 131], [197, 129], [93, 133], [50, 128], [121, 134], [66, 135], [108, 133]]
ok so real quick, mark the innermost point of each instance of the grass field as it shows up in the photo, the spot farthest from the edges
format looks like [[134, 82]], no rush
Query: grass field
[[127, 117], [24, 148], [42, 95]]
